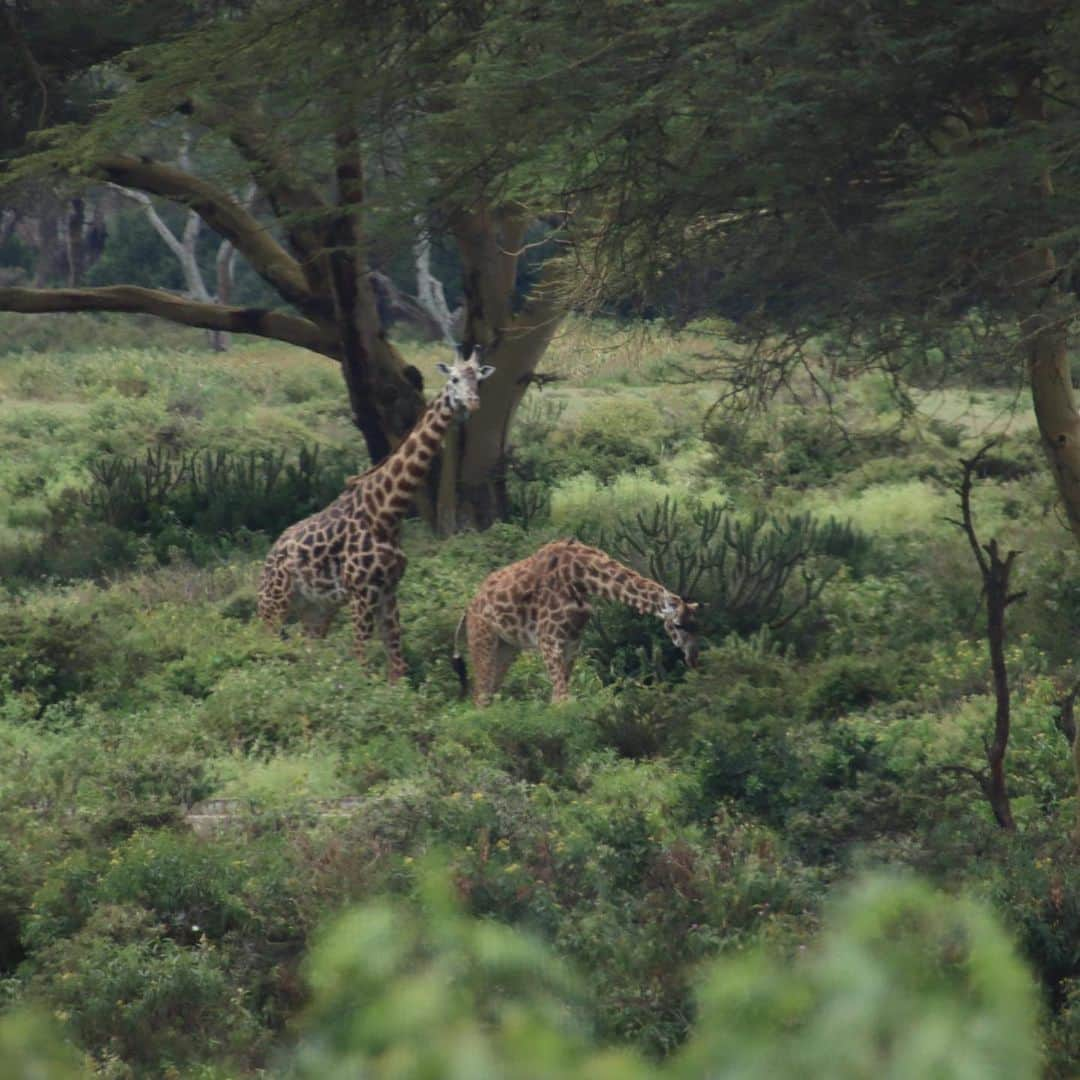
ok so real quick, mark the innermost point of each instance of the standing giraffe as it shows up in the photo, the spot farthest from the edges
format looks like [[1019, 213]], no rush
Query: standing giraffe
[[352, 549], [542, 603]]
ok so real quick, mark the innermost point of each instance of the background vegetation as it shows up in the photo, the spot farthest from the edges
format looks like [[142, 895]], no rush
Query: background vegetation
[[225, 854], [653, 876]]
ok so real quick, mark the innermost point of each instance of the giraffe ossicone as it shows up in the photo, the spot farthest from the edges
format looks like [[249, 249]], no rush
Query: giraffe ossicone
[[542, 602], [350, 552]]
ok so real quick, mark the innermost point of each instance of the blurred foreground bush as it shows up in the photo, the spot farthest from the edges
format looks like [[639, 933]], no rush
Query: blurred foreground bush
[[903, 983]]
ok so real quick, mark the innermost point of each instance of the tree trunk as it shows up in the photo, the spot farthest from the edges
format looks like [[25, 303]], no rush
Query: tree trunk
[[490, 243], [1044, 317], [52, 260], [224, 264], [319, 269], [76, 224], [385, 396], [481, 477], [995, 572]]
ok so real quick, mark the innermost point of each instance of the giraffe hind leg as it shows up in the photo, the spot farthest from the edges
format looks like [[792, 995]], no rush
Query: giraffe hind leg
[[317, 621], [483, 654], [559, 661], [275, 595], [505, 655]]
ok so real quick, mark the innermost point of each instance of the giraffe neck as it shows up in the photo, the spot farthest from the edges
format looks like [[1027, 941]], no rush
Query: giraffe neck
[[609, 578], [388, 489]]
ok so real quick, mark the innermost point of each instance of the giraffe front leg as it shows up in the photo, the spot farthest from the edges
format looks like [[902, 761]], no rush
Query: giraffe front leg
[[559, 664], [362, 605], [390, 627]]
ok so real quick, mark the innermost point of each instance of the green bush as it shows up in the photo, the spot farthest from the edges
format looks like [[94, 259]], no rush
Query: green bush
[[614, 437], [49, 654], [128, 991]]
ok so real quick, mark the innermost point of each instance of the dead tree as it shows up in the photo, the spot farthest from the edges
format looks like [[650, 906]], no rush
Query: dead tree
[[995, 573]]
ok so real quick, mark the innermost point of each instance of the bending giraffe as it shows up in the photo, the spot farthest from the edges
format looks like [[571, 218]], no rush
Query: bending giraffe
[[542, 603], [351, 551]]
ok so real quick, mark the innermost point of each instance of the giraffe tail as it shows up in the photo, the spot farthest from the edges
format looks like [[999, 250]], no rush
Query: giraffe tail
[[458, 661]]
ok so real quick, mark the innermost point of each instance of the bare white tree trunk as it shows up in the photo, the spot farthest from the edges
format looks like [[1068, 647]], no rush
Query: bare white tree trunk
[[185, 248], [224, 264], [429, 289]]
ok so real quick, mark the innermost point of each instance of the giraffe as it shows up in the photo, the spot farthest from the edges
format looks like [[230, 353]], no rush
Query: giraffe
[[542, 602], [351, 550]]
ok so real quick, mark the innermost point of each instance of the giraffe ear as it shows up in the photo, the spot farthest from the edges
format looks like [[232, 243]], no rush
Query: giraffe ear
[[485, 371], [444, 368]]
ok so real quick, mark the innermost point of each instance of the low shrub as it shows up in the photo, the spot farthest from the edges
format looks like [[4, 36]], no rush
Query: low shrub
[[129, 992]]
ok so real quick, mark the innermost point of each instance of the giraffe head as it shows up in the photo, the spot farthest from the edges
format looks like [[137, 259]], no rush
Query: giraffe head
[[463, 378], [680, 622]]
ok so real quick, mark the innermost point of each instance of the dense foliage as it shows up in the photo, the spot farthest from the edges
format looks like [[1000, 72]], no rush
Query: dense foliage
[[633, 883]]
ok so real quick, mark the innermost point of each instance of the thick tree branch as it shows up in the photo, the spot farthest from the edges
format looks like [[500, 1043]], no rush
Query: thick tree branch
[[260, 322], [224, 215]]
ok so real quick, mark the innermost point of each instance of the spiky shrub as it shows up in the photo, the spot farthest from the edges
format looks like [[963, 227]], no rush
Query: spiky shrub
[[749, 573], [215, 491]]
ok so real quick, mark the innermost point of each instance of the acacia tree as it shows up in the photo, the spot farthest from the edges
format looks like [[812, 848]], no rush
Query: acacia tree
[[346, 130], [901, 178]]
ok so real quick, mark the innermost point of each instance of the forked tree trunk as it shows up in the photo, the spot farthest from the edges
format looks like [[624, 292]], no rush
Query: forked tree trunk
[[490, 243], [483, 444]]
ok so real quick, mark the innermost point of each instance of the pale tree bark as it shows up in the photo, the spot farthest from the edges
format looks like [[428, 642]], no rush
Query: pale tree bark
[[182, 246], [224, 269]]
